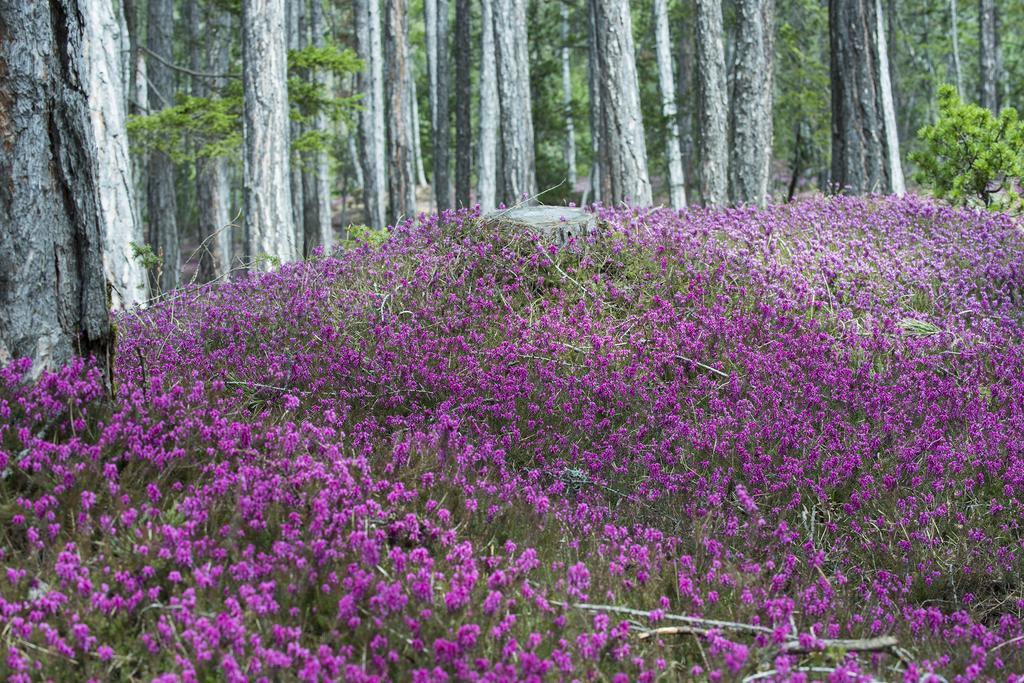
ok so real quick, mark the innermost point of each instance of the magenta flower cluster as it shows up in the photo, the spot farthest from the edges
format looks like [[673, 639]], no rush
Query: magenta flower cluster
[[775, 445]]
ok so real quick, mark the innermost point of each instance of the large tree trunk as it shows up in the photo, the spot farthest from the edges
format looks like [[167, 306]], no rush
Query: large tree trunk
[[513, 69], [53, 300], [114, 184], [463, 119], [626, 151], [570, 132], [161, 201], [673, 154], [486, 173], [401, 183], [211, 44], [316, 178], [988, 67], [270, 233], [435, 14], [712, 103], [865, 151], [371, 119], [752, 102]]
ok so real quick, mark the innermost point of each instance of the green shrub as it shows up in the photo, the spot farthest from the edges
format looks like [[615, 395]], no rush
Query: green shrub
[[972, 157]]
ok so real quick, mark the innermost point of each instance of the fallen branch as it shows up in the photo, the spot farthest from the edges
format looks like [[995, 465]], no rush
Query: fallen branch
[[879, 644], [706, 367], [707, 624]]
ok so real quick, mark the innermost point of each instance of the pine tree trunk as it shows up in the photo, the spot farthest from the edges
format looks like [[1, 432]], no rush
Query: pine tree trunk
[[436, 19], [570, 132], [954, 32], [270, 233], [371, 119], [316, 178], [865, 154], [599, 187], [626, 151], [673, 154], [53, 298], [295, 22], [417, 151], [894, 166], [114, 183], [685, 105], [712, 103], [463, 119], [401, 183], [988, 72], [161, 200], [513, 74], [486, 173], [211, 54], [752, 102]]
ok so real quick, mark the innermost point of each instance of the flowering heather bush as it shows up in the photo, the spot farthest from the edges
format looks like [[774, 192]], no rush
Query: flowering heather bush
[[765, 445]]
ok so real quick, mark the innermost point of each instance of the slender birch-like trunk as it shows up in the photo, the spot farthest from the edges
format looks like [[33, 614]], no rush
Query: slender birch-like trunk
[[401, 183], [371, 119], [673, 154], [570, 132], [463, 95], [486, 174]]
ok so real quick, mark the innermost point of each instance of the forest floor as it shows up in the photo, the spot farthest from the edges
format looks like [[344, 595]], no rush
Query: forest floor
[[747, 445]]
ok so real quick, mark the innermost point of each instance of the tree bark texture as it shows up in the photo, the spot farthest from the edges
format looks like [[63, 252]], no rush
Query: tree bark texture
[[626, 156], [436, 36], [53, 299], [519, 178], [266, 151], [417, 144], [751, 110], [371, 119], [401, 183], [295, 22], [570, 131], [211, 36], [161, 200], [673, 153], [988, 67], [486, 173], [599, 187], [862, 160], [712, 103], [954, 32], [463, 119], [894, 166], [114, 183], [316, 178]]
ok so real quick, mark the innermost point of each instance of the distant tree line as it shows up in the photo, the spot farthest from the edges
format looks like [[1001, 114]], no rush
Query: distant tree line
[[152, 142]]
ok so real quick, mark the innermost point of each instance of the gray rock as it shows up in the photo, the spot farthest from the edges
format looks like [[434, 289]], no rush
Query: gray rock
[[556, 224]]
